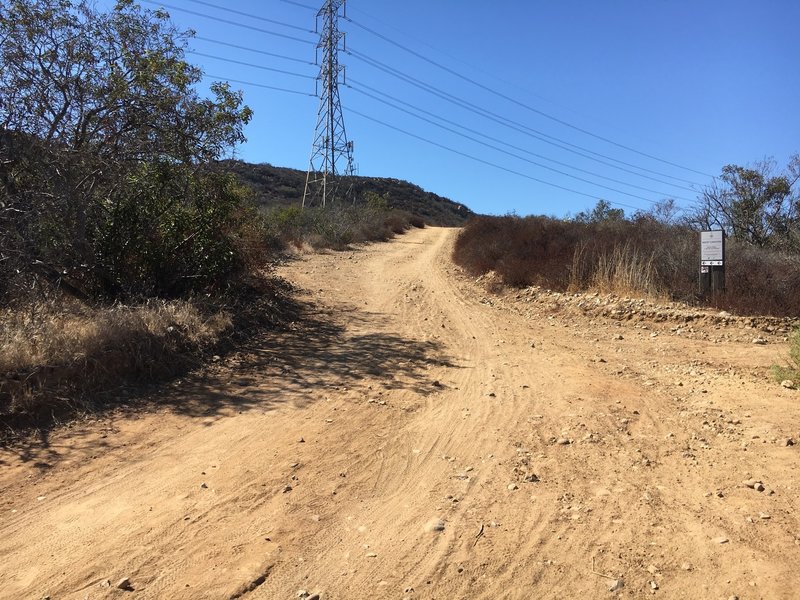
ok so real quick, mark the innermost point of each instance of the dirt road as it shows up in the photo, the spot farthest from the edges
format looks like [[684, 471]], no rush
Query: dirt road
[[428, 440]]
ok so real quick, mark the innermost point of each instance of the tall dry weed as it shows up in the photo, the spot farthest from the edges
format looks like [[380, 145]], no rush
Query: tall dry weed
[[51, 358], [626, 271]]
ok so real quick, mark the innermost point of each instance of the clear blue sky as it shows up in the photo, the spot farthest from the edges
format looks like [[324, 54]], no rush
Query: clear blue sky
[[697, 83]]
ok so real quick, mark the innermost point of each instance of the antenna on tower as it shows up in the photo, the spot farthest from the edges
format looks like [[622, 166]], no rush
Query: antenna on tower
[[330, 149]]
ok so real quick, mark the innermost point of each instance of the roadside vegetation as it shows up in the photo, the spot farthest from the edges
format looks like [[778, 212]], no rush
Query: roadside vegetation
[[656, 253], [790, 371], [129, 252]]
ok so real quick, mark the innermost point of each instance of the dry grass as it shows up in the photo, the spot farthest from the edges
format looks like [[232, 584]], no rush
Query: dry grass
[[626, 271], [52, 359], [791, 370], [631, 258]]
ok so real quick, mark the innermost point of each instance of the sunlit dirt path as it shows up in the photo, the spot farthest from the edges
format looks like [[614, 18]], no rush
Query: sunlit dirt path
[[424, 440]]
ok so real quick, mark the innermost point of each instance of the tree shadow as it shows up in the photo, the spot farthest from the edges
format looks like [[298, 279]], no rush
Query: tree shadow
[[317, 350]]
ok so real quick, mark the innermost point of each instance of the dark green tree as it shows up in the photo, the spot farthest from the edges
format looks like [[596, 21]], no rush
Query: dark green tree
[[602, 212], [105, 151]]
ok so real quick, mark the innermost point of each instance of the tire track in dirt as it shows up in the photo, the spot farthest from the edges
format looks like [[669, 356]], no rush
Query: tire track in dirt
[[434, 401]]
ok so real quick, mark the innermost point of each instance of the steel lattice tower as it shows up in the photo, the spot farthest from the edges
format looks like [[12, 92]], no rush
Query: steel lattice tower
[[330, 150]]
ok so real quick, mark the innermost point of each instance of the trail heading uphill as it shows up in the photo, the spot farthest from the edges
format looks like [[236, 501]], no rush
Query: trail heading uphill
[[430, 441]]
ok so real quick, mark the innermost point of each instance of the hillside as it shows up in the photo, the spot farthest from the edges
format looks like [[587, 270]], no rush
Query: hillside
[[280, 186]]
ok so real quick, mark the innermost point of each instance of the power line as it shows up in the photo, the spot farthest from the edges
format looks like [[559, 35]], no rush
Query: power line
[[299, 4], [228, 22], [264, 52], [511, 124], [448, 121], [482, 161], [259, 85], [521, 104], [454, 57], [410, 112], [247, 64], [251, 15], [446, 128]]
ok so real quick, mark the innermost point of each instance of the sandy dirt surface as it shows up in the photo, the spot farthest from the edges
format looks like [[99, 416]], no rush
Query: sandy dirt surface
[[427, 439]]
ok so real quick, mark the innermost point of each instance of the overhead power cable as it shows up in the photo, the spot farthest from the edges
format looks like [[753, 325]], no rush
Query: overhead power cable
[[514, 125], [228, 22], [247, 64], [482, 161], [259, 85], [454, 57], [488, 137], [300, 4], [245, 48], [252, 16], [521, 104]]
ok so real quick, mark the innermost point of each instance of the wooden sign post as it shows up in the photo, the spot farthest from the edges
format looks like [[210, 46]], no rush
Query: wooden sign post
[[712, 262]]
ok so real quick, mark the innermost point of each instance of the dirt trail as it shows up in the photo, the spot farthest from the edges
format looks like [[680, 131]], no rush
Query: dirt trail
[[547, 444]]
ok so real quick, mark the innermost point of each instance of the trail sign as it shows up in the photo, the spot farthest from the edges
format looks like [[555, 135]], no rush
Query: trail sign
[[712, 248], [712, 262]]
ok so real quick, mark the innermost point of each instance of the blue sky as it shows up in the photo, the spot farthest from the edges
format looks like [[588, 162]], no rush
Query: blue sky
[[697, 84]]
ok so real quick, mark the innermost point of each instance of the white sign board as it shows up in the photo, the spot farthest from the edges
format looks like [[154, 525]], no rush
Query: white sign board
[[712, 248]]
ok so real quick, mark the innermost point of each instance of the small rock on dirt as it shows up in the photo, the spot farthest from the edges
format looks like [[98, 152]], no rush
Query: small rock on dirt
[[125, 584], [788, 384], [563, 442], [653, 585], [759, 341], [788, 442], [434, 525], [616, 585], [721, 540], [513, 486]]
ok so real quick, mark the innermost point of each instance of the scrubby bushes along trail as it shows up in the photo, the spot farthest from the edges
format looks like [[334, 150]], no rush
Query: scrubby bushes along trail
[[639, 256]]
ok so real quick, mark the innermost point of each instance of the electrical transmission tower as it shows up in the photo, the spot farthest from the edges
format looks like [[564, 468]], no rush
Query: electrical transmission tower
[[331, 153]]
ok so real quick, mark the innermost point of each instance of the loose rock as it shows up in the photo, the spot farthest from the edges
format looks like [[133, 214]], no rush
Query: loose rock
[[434, 525], [125, 584], [617, 585], [788, 384]]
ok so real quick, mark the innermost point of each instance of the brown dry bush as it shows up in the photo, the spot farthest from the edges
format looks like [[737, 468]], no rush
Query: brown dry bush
[[631, 257], [52, 359], [61, 358]]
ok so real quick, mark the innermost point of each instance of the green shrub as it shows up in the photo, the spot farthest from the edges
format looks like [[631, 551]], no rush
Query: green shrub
[[792, 370]]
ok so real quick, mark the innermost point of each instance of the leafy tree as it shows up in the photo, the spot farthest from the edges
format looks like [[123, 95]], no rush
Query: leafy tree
[[602, 212], [105, 147], [754, 205]]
